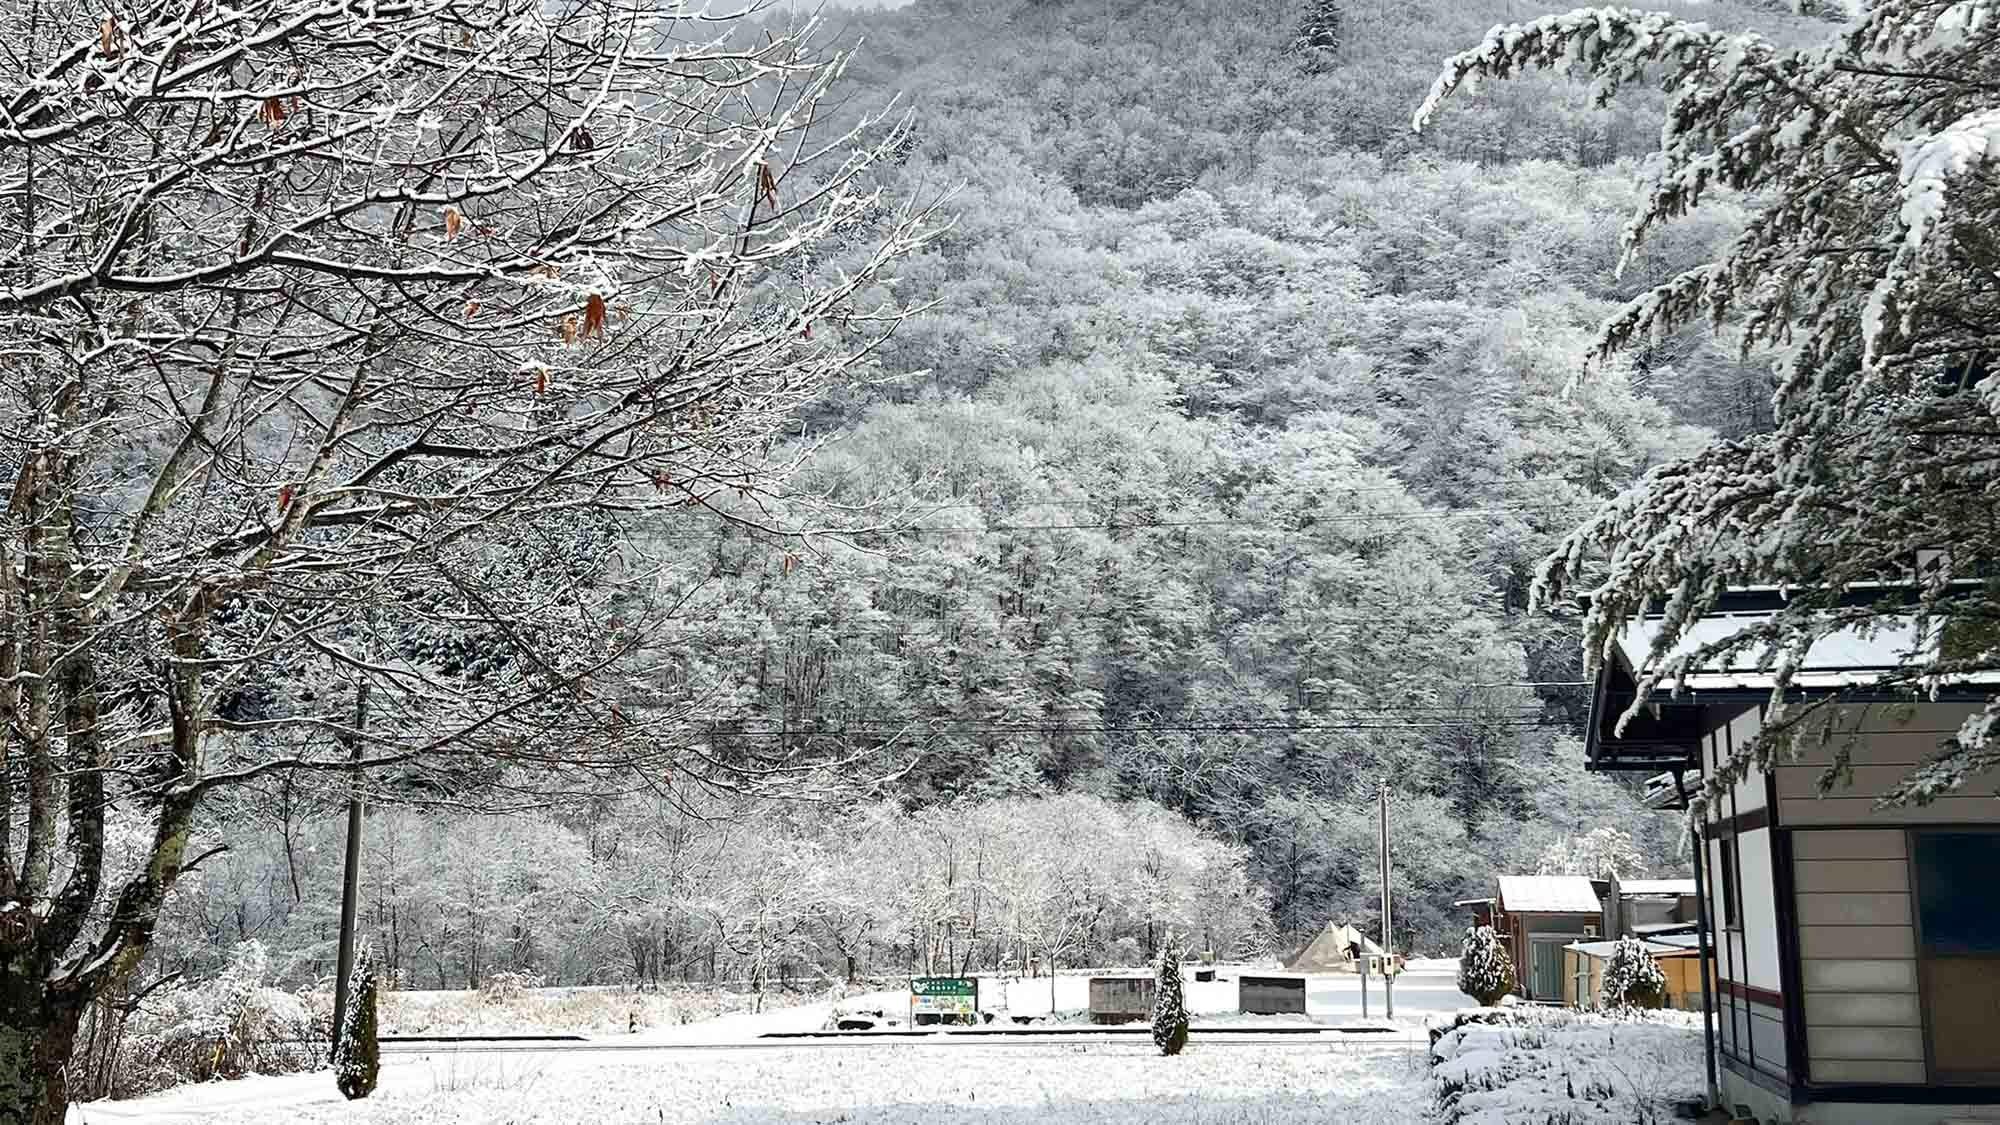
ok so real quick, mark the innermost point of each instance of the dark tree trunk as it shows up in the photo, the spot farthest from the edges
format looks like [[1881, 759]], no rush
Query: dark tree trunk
[[37, 1037]]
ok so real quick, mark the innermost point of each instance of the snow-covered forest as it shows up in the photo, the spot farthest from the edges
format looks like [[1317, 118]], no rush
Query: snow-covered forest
[[1206, 488]]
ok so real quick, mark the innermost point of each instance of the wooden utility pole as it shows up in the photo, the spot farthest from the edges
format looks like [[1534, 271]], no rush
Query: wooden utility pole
[[350, 887], [1388, 931]]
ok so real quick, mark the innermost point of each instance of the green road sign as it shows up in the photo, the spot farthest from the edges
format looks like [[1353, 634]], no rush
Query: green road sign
[[944, 986]]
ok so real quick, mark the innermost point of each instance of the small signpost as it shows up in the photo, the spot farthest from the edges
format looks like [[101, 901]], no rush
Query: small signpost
[[943, 1000]]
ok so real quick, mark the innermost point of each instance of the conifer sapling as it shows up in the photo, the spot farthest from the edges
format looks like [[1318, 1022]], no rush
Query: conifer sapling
[[1632, 978], [357, 1057], [1485, 971], [1170, 1018]]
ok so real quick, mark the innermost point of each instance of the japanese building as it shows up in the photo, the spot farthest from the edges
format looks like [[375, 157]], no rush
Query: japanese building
[[1856, 945]]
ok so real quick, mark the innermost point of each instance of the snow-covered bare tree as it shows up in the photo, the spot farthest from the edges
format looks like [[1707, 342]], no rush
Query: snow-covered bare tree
[[1600, 853], [1869, 264], [347, 347]]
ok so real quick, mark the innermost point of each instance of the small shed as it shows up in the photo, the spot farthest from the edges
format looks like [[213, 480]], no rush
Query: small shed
[[1538, 915], [1583, 973], [1121, 999], [1272, 994]]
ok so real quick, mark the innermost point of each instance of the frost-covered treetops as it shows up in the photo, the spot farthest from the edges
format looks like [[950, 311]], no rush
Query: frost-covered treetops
[[1869, 264]]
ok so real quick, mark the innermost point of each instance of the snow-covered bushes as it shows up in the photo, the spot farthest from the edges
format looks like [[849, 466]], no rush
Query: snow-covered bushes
[[1485, 971], [1632, 978], [1527, 1066], [505, 987], [233, 1025]]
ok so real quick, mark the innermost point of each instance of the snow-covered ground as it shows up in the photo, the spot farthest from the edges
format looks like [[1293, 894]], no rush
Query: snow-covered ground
[[719, 1072], [907, 1084]]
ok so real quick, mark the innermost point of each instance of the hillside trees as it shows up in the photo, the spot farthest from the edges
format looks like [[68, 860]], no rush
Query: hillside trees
[[340, 351], [1881, 464]]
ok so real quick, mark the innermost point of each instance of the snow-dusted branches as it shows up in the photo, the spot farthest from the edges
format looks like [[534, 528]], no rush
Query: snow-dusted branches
[[350, 345], [1870, 264]]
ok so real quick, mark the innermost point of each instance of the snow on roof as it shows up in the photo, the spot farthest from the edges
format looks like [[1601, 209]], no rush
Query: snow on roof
[[1604, 948], [1548, 894], [1841, 659], [1656, 887]]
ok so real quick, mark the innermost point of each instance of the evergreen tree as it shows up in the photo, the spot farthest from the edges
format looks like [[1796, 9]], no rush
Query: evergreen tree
[[1632, 978], [1485, 971], [1170, 1018], [357, 1058], [1318, 35], [1882, 453]]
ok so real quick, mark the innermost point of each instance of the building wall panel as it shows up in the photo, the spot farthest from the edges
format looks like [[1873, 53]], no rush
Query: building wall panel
[[1857, 943], [1890, 1071], [1855, 909], [1868, 1044], [1885, 975], [1864, 876], [1861, 1009]]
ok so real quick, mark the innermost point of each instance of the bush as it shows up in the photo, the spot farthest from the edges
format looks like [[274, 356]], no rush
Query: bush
[[1170, 1018], [1632, 978], [1485, 971], [357, 1058], [234, 1025], [505, 987]]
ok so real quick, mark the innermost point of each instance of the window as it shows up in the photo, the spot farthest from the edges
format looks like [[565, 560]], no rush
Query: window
[[1958, 951], [1725, 880]]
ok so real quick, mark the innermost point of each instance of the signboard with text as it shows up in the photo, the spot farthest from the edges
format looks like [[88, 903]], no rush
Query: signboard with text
[[944, 1000]]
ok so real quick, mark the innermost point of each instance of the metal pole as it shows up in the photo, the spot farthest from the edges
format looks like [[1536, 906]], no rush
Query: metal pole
[[350, 887], [1388, 938], [1704, 954]]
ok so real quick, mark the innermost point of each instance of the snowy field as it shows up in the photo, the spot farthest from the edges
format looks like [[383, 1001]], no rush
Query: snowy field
[[719, 1072], [899, 1084]]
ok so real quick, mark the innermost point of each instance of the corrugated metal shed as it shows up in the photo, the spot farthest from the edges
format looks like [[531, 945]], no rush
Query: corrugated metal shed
[[1548, 894]]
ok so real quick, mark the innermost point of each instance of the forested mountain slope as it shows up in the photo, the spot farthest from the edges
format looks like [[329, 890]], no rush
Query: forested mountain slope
[[1215, 472], [1221, 461]]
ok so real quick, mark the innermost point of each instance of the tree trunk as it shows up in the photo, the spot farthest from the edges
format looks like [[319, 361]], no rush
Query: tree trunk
[[37, 1037]]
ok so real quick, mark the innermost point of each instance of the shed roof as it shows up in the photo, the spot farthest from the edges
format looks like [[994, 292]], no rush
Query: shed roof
[[1548, 894], [1656, 886], [1604, 948]]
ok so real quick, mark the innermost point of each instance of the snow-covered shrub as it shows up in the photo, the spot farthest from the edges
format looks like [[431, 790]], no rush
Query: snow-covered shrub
[[227, 1027], [1485, 971], [1632, 978], [1170, 1017], [506, 987], [1534, 1066], [1124, 951], [357, 1057]]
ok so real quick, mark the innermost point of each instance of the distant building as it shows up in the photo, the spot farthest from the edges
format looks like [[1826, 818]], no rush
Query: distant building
[[1339, 948], [1857, 947]]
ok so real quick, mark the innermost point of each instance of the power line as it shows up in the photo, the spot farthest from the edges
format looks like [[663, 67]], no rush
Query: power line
[[887, 728]]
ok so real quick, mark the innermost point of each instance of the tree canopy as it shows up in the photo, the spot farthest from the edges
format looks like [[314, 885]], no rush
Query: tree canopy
[[1866, 262]]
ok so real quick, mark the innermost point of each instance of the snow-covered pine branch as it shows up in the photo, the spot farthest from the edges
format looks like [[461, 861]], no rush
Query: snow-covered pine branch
[[1869, 263]]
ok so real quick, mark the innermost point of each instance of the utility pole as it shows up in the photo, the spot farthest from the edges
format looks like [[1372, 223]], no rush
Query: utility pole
[[350, 887], [1388, 932]]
